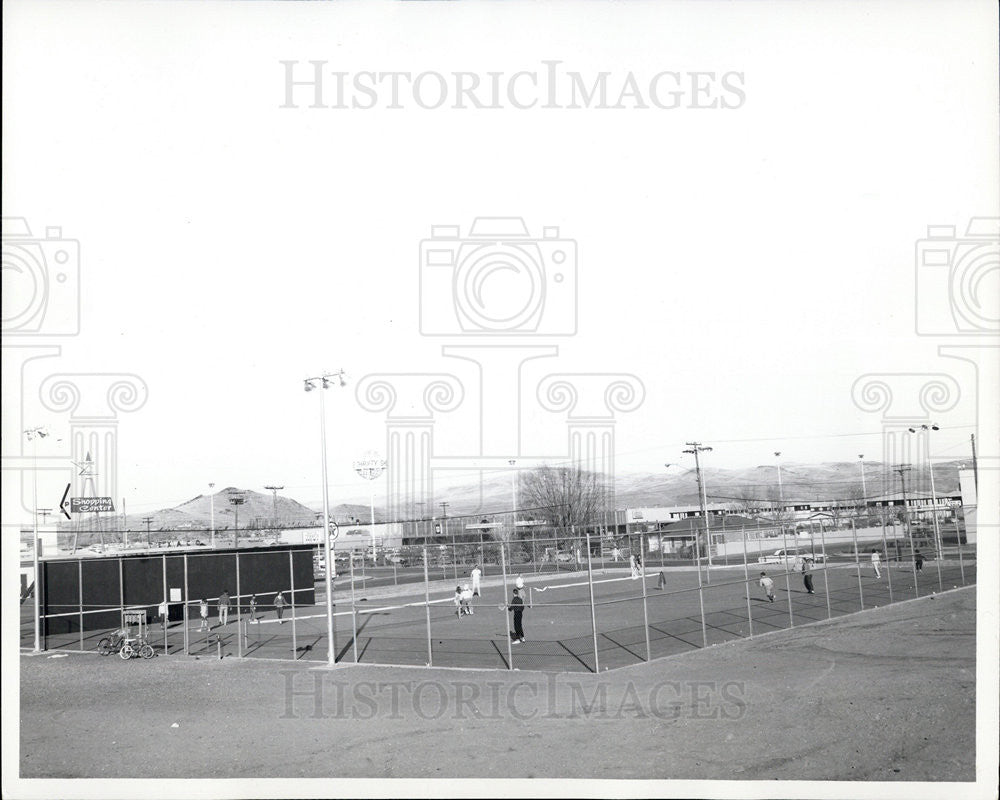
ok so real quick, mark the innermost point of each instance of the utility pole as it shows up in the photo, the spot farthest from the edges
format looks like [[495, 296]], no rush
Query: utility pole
[[274, 492], [902, 469], [696, 448], [975, 465], [864, 489], [147, 521], [781, 493]]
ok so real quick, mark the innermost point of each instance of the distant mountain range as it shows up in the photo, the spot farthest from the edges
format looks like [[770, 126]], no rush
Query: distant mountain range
[[674, 487]]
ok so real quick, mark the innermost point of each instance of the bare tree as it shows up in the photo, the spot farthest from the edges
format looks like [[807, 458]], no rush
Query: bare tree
[[748, 503], [569, 497]]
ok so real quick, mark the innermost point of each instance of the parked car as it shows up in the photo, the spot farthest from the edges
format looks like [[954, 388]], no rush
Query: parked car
[[564, 557], [790, 556]]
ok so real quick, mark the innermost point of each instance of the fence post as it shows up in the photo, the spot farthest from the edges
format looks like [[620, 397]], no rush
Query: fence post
[[187, 633], [645, 610], [937, 547], [79, 583], [826, 571], [888, 571], [958, 544], [857, 561], [503, 569], [913, 556], [746, 577], [701, 589], [593, 610], [239, 626], [291, 580], [427, 608], [166, 616], [354, 614], [788, 585]]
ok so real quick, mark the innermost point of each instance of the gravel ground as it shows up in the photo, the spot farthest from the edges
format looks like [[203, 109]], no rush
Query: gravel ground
[[887, 695]]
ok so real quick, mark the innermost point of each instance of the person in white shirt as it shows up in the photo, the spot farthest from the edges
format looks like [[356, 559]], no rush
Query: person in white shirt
[[876, 563], [467, 600], [767, 585], [477, 573]]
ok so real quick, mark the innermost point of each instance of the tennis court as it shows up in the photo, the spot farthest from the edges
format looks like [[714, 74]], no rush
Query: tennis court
[[563, 632]]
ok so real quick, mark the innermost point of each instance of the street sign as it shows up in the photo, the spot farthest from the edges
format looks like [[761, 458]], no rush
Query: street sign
[[84, 505], [334, 531], [62, 503]]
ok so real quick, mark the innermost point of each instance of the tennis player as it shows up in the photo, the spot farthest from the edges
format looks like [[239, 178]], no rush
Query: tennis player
[[517, 606], [767, 585], [477, 573]]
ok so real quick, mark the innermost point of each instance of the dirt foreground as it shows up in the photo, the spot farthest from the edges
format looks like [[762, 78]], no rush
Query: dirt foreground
[[887, 695]]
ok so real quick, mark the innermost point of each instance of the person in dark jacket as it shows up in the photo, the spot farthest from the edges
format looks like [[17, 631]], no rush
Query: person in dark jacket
[[517, 606]]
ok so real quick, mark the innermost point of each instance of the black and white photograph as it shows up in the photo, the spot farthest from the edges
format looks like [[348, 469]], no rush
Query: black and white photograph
[[495, 399]]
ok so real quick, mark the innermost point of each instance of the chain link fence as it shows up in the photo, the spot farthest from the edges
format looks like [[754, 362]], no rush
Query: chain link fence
[[583, 602]]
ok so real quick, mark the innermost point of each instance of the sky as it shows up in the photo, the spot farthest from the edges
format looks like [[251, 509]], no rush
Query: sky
[[739, 268]]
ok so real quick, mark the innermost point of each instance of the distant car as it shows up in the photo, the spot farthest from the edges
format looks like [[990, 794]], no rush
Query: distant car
[[790, 556], [564, 557]]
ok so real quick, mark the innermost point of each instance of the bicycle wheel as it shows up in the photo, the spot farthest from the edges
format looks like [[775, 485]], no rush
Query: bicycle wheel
[[104, 646], [146, 651], [126, 652]]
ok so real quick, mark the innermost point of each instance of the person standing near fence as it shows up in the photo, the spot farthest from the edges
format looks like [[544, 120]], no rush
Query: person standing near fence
[[203, 613], [876, 563], [517, 606], [477, 574], [807, 578], [224, 608], [918, 559], [636, 566], [164, 611], [279, 606], [253, 608], [767, 585]]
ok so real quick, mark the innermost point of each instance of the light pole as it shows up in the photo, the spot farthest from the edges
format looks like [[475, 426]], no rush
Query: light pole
[[34, 434], [930, 466], [274, 495], [864, 489], [513, 497], [236, 502], [324, 383], [211, 486], [696, 448], [781, 493]]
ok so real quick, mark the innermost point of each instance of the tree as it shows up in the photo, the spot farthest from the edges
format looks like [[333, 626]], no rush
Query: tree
[[570, 498], [749, 504]]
